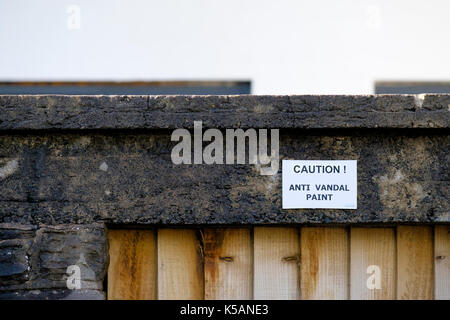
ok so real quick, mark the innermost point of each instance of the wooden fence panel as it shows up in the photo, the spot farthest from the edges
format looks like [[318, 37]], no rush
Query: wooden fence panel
[[442, 262], [372, 256], [132, 267], [324, 263], [276, 260], [280, 263], [180, 265], [414, 263], [228, 264]]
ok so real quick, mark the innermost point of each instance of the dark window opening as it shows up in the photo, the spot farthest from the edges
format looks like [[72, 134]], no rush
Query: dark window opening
[[128, 88], [411, 87]]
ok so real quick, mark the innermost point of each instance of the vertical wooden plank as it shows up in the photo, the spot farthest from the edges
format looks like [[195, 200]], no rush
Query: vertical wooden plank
[[180, 265], [132, 267], [324, 263], [276, 258], [414, 263], [372, 255], [442, 262], [228, 264]]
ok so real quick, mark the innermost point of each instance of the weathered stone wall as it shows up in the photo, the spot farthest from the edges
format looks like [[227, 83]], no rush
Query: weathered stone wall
[[34, 261], [59, 179], [70, 166]]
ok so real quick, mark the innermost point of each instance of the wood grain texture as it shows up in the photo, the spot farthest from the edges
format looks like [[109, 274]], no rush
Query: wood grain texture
[[414, 263], [324, 263], [228, 264], [132, 267], [180, 265], [442, 262], [372, 247], [276, 260]]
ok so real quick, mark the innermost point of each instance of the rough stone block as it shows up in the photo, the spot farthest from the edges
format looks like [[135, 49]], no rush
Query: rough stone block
[[34, 262]]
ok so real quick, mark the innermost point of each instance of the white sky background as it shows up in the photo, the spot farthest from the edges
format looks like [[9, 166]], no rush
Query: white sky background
[[283, 47]]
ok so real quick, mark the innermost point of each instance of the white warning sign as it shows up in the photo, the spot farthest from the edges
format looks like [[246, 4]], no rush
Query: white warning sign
[[319, 184]]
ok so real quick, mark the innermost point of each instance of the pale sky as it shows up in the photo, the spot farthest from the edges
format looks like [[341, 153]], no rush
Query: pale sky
[[283, 47]]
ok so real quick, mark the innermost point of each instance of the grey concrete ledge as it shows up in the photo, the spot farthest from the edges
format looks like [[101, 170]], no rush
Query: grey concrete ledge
[[45, 112]]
